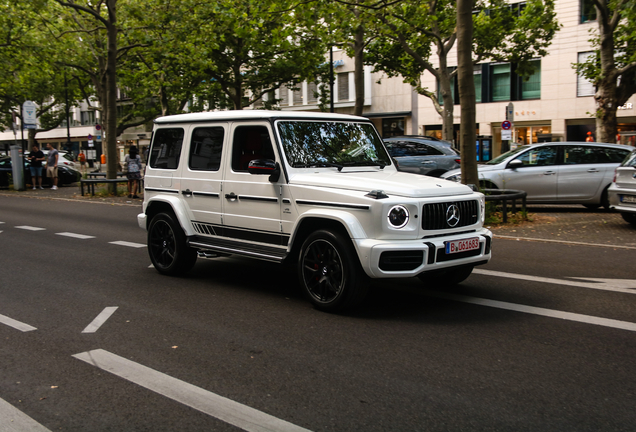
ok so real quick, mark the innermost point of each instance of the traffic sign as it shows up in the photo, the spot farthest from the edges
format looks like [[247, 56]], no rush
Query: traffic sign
[[506, 125], [28, 113], [98, 126], [90, 137]]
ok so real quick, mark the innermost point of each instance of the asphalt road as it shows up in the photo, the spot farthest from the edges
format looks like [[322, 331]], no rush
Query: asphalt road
[[93, 339]]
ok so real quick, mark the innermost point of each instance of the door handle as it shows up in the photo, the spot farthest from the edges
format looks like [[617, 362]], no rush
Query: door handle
[[593, 170], [549, 173], [186, 192], [427, 162], [231, 196]]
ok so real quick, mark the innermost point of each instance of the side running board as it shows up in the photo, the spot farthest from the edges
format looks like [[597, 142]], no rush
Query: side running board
[[225, 246]]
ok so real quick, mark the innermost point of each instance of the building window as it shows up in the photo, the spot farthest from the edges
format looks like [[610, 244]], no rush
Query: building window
[[283, 96], [588, 11], [343, 86], [312, 93], [298, 95], [500, 82], [584, 87], [477, 78], [87, 118], [531, 87]]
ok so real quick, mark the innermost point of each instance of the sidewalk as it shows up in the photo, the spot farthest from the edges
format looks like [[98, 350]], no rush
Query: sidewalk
[[560, 223]]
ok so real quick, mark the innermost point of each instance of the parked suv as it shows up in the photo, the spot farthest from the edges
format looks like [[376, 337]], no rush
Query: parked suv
[[622, 192], [422, 155], [317, 190]]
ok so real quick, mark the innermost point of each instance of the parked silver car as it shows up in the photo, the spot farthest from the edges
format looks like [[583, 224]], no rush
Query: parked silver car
[[422, 155], [622, 192], [557, 172]]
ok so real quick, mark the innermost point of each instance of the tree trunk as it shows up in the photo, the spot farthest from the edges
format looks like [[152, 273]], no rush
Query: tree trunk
[[358, 73], [111, 108], [467, 100], [605, 97], [448, 132]]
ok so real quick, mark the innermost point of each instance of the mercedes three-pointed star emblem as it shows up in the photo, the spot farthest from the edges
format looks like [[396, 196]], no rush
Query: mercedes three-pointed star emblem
[[452, 215]]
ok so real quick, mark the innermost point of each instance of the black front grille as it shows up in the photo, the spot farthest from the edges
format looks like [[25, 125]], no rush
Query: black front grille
[[401, 260], [434, 216]]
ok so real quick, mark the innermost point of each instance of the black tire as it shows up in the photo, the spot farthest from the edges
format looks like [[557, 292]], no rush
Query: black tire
[[167, 246], [329, 272], [605, 199], [448, 277], [629, 217]]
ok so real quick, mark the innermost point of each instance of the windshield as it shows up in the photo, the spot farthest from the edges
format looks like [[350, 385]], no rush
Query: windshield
[[630, 160], [499, 159], [330, 143]]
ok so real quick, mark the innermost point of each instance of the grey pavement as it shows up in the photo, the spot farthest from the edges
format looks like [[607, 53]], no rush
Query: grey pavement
[[550, 223]]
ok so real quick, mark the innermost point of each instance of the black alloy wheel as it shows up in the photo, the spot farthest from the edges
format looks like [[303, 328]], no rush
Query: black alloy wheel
[[330, 273], [167, 246]]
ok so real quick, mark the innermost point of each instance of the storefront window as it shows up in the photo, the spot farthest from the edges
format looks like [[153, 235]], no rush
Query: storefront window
[[392, 127]]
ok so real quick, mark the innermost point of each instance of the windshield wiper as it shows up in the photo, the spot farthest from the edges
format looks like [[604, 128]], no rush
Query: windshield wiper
[[319, 164]]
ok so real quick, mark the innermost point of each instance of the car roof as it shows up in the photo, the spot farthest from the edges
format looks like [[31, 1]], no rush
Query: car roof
[[419, 138], [595, 144], [256, 115]]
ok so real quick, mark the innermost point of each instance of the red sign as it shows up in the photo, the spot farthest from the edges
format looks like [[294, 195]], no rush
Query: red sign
[[506, 125], [98, 127]]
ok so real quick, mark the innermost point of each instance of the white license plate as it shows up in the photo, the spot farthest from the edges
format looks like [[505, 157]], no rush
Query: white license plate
[[628, 199], [462, 245]]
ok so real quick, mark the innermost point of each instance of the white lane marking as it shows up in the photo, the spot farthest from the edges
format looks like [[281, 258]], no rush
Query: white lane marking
[[563, 241], [234, 413], [587, 319], [16, 324], [30, 228], [14, 420], [618, 285], [129, 244], [100, 319], [74, 235]]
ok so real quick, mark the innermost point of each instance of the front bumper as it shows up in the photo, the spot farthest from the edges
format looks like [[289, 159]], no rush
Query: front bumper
[[141, 220], [393, 259]]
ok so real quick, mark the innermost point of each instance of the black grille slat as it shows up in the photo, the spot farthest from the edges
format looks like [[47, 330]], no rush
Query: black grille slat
[[434, 215]]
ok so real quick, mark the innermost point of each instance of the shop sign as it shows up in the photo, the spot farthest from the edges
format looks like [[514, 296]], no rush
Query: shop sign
[[627, 106]]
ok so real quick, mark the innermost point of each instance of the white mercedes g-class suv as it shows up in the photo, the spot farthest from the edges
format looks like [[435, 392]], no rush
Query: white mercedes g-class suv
[[313, 189]]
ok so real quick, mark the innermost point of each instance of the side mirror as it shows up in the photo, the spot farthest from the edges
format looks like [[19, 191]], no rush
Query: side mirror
[[514, 164], [265, 167]]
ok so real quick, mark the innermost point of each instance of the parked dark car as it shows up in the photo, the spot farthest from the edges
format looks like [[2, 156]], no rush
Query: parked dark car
[[422, 155], [65, 174]]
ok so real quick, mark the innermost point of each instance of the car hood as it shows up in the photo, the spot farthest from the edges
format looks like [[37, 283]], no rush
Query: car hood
[[391, 182], [480, 169]]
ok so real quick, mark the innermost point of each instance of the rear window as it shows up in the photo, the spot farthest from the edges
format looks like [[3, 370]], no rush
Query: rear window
[[630, 160], [166, 148], [205, 148]]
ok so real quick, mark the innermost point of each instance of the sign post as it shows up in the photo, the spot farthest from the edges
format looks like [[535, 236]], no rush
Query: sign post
[[506, 128]]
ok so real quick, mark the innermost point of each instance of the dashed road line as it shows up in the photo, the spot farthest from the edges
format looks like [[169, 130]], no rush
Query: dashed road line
[[563, 242], [75, 235], [128, 244], [30, 228], [14, 420], [100, 320], [224, 409], [16, 324], [587, 319]]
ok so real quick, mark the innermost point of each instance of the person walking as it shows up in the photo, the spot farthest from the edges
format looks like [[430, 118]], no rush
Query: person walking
[[36, 157], [51, 165], [132, 163]]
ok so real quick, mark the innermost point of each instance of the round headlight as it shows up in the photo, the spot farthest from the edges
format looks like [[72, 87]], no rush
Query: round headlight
[[398, 216]]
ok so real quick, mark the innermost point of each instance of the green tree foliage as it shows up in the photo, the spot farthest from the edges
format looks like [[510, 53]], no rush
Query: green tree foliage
[[612, 68], [417, 37]]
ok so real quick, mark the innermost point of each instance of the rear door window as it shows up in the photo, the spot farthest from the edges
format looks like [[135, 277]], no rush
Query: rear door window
[[166, 148], [206, 148]]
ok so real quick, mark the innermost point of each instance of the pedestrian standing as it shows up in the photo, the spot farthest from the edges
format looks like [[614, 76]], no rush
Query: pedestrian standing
[[133, 171], [36, 157], [82, 160], [51, 165], [589, 138]]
